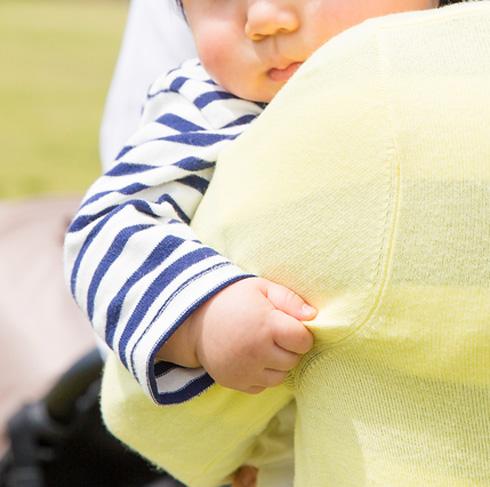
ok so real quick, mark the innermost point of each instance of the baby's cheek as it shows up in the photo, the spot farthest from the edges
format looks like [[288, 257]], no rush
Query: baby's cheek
[[217, 60]]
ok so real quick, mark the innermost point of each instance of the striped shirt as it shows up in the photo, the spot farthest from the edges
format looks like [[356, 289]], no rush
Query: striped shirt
[[133, 263]]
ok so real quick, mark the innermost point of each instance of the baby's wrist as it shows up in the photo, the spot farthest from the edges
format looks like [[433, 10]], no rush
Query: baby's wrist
[[180, 348]]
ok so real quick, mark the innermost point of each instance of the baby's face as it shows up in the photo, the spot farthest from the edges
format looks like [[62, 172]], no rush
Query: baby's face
[[252, 47]]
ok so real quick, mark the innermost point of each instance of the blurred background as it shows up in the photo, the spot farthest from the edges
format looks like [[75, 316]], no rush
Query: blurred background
[[57, 58], [56, 62]]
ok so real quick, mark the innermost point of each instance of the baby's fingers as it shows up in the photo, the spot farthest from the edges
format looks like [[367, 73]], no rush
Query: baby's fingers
[[283, 360], [268, 378], [272, 378], [245, 477], [289, 302], [292, 335]]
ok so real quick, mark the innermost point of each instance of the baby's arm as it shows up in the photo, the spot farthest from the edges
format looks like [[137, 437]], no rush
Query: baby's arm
[[133, 263], [247, 337]]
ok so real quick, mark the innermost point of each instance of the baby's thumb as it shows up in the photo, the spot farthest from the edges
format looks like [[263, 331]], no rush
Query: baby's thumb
[[289, 302]]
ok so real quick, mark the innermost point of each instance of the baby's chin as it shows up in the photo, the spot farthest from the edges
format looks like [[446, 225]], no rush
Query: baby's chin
[[264, 96], [259, 94]]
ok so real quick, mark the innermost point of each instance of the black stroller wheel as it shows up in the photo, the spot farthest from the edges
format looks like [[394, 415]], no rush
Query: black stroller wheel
[[61, 441]]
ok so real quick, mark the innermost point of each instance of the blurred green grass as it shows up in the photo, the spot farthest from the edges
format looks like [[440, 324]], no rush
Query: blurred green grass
[[56, 62]]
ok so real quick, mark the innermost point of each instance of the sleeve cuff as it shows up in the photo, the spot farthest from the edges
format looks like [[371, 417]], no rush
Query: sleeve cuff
[[164, 382]]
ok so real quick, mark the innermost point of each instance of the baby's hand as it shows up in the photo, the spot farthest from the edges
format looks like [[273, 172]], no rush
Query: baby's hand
[[249, 335], [245, 477]]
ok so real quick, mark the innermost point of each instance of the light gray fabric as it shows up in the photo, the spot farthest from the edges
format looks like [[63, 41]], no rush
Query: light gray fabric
[[42, 330]]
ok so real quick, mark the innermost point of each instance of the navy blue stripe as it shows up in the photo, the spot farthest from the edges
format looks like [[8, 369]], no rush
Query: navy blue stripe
[[178, 123], [177, 68], [177, 83], [166, 198], [161, 252], [124, 151], [156, 93], [81, 222], [198, 139], [206, 98], [162, 281], [196, 182], [133, 188], [194, 164], [76, 266], [127, 190], [244, 120], [162, 368], [125, 168], [109, 258], [95, 197], [140, 206]]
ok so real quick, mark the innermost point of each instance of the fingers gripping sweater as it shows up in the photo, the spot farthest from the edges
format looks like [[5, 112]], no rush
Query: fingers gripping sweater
[[367, 191]]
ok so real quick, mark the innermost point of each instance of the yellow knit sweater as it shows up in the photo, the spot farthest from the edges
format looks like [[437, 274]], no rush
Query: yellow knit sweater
[[365, 187]]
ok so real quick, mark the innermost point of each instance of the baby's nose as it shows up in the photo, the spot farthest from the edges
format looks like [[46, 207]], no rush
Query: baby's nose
[[270, 17]]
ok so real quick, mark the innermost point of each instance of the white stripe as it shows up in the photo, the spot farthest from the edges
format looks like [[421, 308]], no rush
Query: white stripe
[[176, 379]]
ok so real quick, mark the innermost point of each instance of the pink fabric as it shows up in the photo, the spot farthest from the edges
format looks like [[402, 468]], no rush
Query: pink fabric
[[42, 331]]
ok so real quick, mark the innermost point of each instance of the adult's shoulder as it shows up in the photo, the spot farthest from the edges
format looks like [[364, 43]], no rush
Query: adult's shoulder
[[410, 39]]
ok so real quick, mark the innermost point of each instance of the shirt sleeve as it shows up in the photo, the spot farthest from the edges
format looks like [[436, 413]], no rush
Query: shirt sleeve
[[132, 262]]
